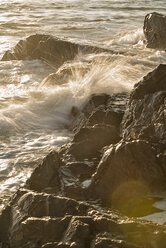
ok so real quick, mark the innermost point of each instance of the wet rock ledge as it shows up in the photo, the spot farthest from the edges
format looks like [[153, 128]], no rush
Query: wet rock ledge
[[88, 193]]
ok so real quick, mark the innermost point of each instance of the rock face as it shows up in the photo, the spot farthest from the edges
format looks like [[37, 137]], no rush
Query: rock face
[[145, 117], [126, 173], [155, 30], [140, 157]]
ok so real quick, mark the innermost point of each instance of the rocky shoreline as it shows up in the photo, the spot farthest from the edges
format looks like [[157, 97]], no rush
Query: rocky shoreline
[[80, 195]]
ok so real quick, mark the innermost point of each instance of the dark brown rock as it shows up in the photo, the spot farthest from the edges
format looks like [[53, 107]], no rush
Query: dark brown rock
[[145, 116], [46, 174], [5, 222], [49, 49], [38, 231], [42, 47], [90, 140], [77, 232], [102, 242], [155, 30], [100, 109], [127, 172]]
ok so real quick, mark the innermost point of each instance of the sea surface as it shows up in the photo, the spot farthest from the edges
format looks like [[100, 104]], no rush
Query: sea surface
[[34, 116]]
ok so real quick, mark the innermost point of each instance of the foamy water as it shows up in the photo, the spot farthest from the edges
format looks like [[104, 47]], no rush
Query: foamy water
[[34, 115]]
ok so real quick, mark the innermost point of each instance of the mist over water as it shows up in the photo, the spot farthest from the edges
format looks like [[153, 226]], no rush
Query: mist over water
[[34, 113]]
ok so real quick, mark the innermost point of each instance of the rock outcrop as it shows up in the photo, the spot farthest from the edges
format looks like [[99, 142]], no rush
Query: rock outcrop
[[49, 49], [116, 159], [44, 220], [127, 173], [139, 159], [155, 30], [145, 116]]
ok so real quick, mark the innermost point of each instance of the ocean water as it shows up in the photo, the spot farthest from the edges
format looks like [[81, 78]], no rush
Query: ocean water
[[33, 115]]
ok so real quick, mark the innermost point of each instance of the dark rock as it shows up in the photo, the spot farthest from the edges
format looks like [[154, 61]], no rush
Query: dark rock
[[38, 231], [51, 245], [153, 82], [155, 30], [39, 205], [65, 73], [49, 49], [46, 175], [127, 172], [36, 219], [100, 109], [145, 116], [71, 185], [5, 222], [89, 141], [57, 245], [42, 47], [81, 169], [104, 224], [105, 117], [78, 232], [102, 242]]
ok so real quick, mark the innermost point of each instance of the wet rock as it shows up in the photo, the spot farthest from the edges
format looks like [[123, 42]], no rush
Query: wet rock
[[155, 30], [72, 186], [50, 245], [126, 173], [100, 109], [42, 47], [37, 218], [46, 175], [81, 169], [88, 142], [145, 117], [57, 245], [65, 73], [43, 220], [105, 117], [36, 231], [77, 232], [47, 48], [39, 205], [5, 222], [102, 242]]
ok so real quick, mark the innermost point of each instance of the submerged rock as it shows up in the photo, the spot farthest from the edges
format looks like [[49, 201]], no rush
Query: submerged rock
[[155, 30]]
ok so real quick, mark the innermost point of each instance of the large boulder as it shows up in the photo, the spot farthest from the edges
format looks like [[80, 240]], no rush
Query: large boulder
[[49, 49], [155, 30], [145, 116], [43, 47], [127, 173]]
